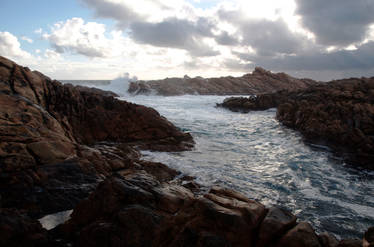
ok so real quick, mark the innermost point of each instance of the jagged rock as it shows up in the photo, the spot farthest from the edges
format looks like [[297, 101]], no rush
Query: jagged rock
[[350, 243], [275, 224], [339, 114], [328, 240], [369, 238], [17, 229], [301, 235], [125, 206], [260, 81], [254, 103], [58, 141]]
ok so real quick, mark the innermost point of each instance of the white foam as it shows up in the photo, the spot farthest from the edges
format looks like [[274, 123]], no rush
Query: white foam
[[120, 85]]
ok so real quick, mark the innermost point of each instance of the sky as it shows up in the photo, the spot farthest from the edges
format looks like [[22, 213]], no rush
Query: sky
[[144, 39]]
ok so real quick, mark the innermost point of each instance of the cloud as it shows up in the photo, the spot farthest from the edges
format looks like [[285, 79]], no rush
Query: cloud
[[337, 22], [10, 47], [271, 37], [121, 12], [88, 39], [38, 31], [176, 33], [318, 65], [51, 54], [27, 39]]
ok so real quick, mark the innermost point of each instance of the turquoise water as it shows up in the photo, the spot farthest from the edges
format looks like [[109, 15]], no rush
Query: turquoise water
[[254, 154]]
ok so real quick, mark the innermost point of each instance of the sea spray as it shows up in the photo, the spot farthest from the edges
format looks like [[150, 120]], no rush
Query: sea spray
[[120, 85]]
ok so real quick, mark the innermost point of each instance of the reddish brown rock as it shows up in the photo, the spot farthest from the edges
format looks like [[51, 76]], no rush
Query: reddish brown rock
[[350, 243], [260, 81], [275, 224], [17, 229], [369, 238], [58, 141], [328, 240], [136, 208], [339, 114], [301, 235]]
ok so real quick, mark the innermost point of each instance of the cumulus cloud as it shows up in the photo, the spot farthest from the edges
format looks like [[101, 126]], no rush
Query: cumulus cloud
[[10, 47], [88, 39], [337, 22], [176, 33], [160, 23]]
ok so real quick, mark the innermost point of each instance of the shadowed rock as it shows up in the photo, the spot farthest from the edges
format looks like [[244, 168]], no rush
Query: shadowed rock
[[58, 141]]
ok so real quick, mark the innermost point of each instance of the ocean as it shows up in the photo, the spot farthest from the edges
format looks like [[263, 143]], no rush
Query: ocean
[[257, 156]]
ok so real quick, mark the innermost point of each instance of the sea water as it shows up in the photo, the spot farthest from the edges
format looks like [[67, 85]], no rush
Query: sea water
[[254, 154]]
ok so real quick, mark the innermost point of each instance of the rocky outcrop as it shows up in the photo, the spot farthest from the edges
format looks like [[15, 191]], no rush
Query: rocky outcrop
[[339, 114], [58, 141], [64, 147], [254, 103], [260, 81], [138, 209], [17, 229]]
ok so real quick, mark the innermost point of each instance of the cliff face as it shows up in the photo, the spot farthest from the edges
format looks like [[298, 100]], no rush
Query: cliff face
[[260, 81]]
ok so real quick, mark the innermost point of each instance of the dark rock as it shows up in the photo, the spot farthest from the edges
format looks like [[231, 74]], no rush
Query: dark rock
[[369, 238], [17, 229], [339, 114], [328, 240], [301, 235], [57, 141], [276, 223], [350, 243], [254, 103], [126, 207]]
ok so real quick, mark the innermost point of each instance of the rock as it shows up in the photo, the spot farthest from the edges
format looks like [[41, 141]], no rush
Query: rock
[[17, 229], [260, 81], [368, 238], [350, 243], [58, 141], [276, 223], [328, 240], [126, 207], [301, 235], [339, 114], [254, 103]]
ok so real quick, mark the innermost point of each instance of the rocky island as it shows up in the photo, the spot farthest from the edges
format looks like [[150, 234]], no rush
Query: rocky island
[[260, 81], [64, 147]]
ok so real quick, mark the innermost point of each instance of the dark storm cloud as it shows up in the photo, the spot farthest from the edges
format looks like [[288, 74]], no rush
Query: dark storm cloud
[[337, 22], [175, 33]]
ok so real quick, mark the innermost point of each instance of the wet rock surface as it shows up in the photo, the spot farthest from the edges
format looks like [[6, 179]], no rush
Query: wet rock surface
[[259, 81]]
